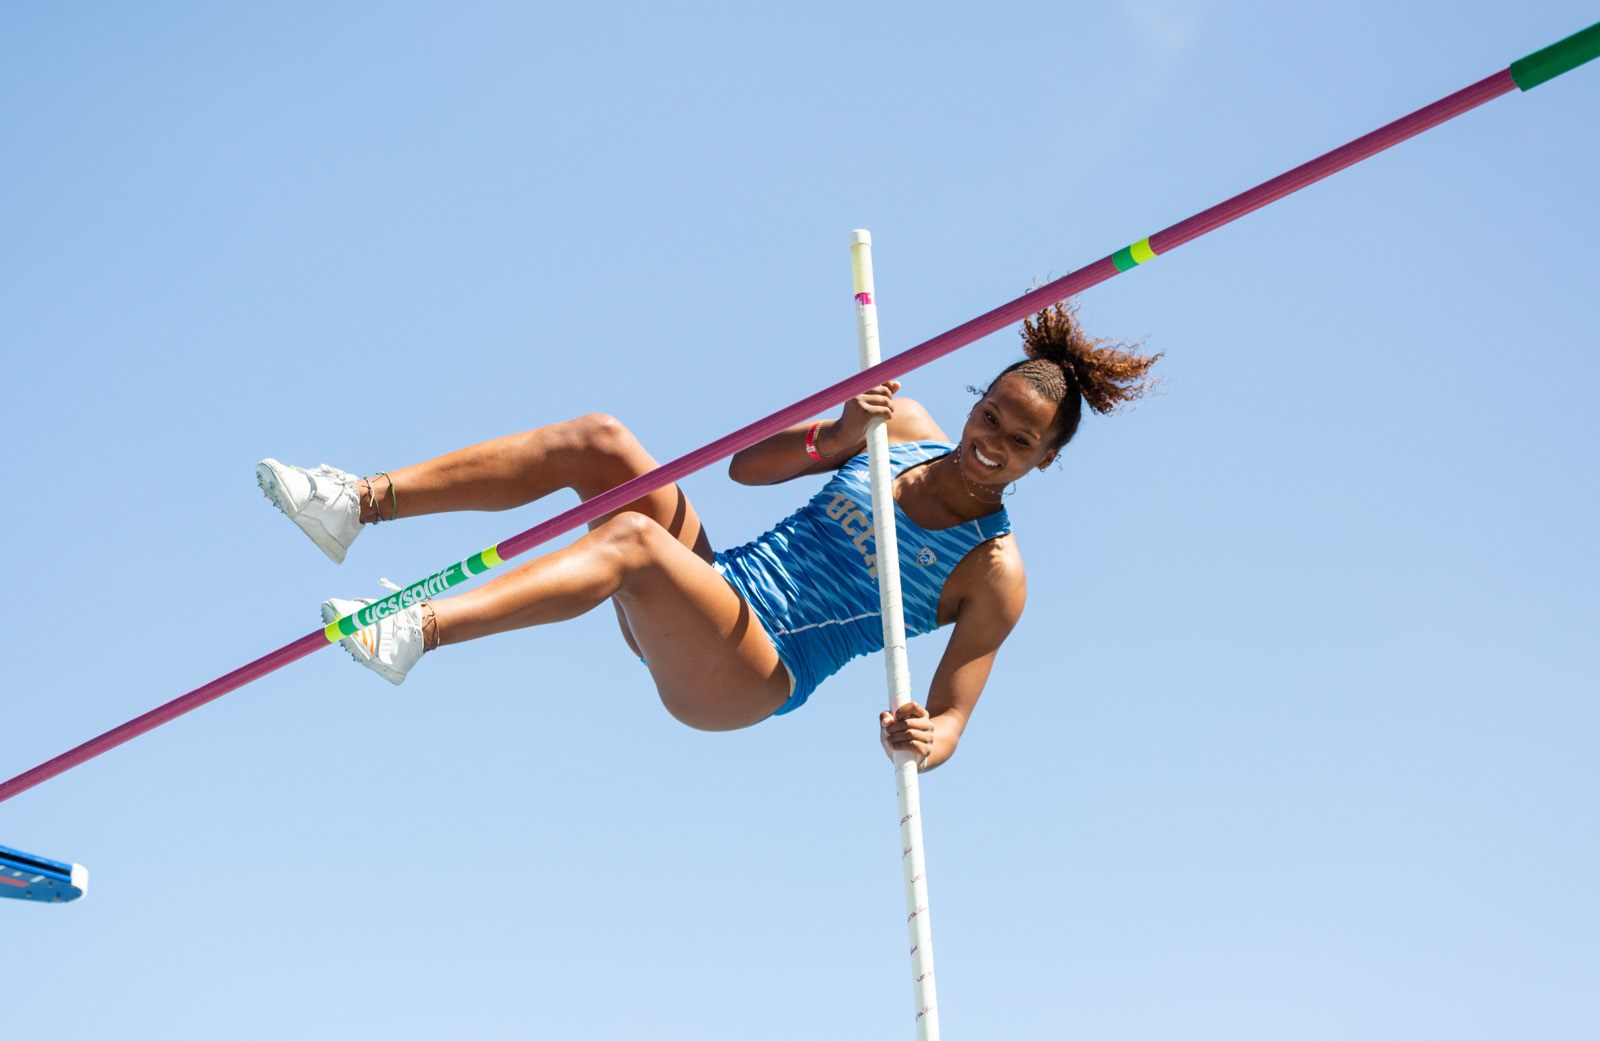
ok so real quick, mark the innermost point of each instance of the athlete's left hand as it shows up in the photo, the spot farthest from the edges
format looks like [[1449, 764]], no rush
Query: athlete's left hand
[[909, 728]]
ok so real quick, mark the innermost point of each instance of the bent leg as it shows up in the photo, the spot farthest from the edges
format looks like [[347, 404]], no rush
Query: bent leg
[[713, 664], [591, 454]]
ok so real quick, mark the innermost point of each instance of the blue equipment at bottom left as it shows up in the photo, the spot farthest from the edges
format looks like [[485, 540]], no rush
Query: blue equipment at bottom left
[[24, 876]]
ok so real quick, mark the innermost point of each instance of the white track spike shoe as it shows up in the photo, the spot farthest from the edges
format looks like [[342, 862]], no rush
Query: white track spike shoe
[[324, 503], [389, 646]]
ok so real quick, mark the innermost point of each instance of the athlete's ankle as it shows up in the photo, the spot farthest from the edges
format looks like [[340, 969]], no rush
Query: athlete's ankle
[[430, 627], [378, 502]]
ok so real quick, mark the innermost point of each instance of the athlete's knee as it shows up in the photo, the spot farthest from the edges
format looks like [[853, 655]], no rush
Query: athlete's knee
[[637, 541], [605, 434]]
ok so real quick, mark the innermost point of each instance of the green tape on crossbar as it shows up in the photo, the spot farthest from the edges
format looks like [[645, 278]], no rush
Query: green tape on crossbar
[[1132, 256], [1557, 58], [413, 594]]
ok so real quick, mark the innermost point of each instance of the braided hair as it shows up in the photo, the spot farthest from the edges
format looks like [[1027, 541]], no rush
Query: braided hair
[[1068, 367]]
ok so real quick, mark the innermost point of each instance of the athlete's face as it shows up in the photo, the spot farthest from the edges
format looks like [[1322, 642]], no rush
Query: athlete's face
[[1007, 433]]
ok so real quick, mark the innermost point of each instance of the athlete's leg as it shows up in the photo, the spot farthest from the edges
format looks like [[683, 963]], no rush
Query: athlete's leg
[[713, 664], [590, 455]]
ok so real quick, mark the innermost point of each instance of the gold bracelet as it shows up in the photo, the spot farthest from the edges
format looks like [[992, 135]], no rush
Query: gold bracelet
[[812, 449]]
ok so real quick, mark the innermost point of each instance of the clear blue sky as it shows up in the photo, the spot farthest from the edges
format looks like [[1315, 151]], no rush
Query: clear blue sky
[[1295, 740]]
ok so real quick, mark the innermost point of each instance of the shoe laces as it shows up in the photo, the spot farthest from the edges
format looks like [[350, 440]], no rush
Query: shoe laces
[[342, 482], [336, 474], [345, 481]]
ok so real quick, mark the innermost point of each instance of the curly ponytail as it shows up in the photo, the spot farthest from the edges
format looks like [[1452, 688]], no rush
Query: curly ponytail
[[1068, 367]]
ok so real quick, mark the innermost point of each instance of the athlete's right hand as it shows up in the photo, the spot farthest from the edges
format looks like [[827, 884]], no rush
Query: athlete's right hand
[[851, 427]]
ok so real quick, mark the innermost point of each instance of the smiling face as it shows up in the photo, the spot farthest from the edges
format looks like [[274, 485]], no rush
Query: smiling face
[[1007, 433]]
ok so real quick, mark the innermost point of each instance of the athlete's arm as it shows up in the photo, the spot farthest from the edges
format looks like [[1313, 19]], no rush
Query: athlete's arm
[[991, 590], [783, 457]]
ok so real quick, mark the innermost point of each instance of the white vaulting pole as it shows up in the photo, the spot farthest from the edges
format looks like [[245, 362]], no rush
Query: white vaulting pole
[[918, 928]]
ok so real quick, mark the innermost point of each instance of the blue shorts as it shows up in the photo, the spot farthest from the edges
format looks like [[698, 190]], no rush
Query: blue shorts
[[809, 653]]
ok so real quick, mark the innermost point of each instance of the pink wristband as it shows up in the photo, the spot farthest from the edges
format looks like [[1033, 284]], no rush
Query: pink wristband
[[811, 441]]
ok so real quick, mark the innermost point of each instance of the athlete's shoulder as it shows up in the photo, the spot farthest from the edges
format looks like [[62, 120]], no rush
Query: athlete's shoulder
[[992, 574], [912, 422]]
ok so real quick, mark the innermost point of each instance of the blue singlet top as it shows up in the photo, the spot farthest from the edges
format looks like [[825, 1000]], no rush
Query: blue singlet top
[[813, 580]]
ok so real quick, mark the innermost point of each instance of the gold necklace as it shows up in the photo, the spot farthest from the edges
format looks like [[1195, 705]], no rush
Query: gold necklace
[[972, 484]]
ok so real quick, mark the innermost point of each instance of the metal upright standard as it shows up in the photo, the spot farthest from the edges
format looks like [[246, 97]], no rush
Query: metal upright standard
[[1526, 73], [886, 548]]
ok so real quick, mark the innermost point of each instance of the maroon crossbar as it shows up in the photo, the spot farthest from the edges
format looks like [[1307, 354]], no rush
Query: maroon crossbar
[[891, 368]]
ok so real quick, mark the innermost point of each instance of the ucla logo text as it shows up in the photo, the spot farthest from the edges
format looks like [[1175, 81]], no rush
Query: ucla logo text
[[855, 524]]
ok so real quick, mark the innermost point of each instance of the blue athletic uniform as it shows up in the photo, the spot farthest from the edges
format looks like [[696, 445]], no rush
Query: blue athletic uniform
[[813, 580]]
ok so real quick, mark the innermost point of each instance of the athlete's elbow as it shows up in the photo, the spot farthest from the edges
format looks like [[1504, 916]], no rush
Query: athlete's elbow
[[754, 467], [743, 471]]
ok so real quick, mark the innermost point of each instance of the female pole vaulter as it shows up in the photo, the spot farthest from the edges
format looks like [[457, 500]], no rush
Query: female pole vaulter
[[734, 637]]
